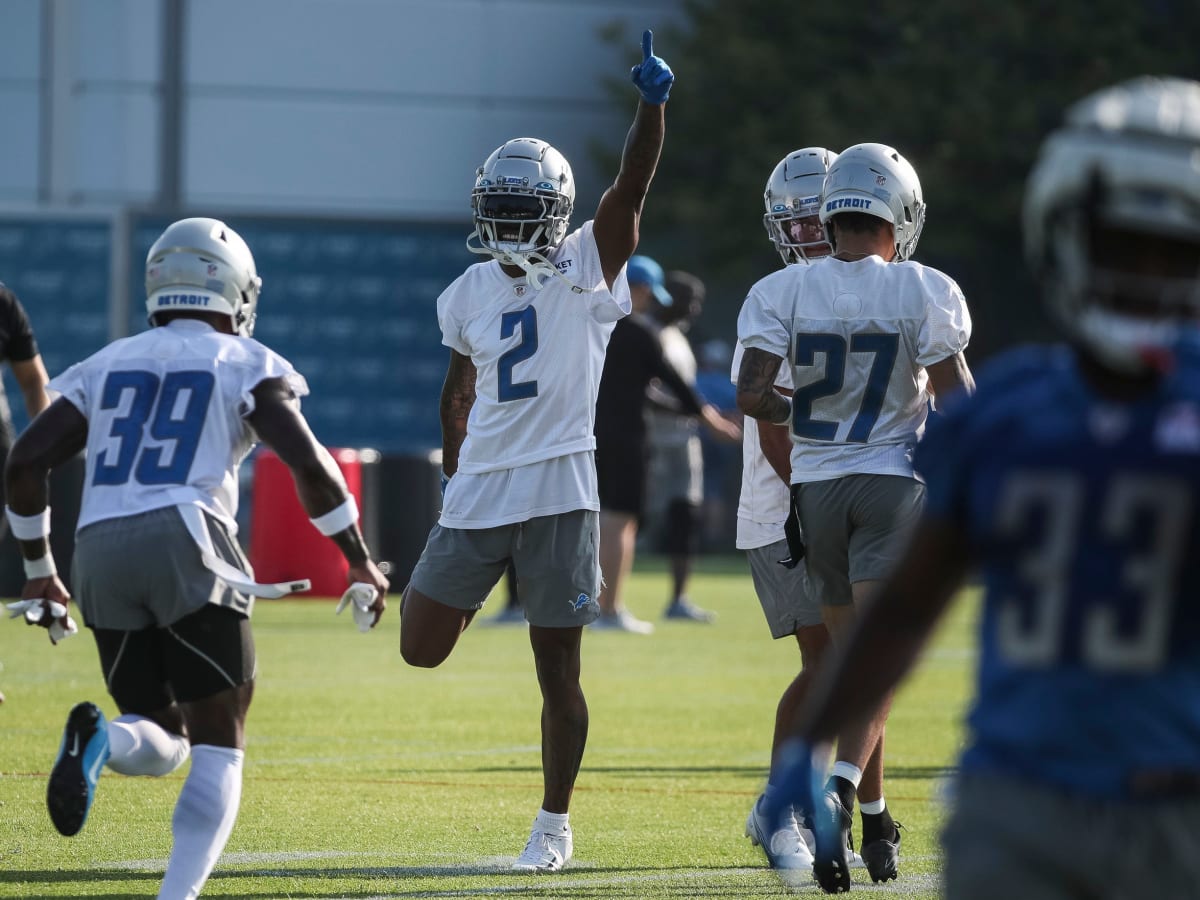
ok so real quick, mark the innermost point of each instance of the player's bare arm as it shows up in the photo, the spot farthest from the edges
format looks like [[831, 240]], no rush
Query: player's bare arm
[[616, 221], [756, 393], [319, 484], [458, 396], [31, 378], [949, 375], [50, 440], [776, 445]]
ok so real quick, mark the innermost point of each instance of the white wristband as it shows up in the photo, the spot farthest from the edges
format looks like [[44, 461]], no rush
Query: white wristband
[[337, 519], [29, 528], [43, 567]]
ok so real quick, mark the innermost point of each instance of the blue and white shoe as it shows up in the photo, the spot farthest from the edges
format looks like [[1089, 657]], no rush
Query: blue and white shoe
[[73, 779]]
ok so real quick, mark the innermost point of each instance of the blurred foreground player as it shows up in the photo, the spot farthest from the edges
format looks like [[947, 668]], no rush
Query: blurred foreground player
[[1071, 481]]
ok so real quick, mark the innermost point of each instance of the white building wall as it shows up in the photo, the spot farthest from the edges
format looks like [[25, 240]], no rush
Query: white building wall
[[363, 107]]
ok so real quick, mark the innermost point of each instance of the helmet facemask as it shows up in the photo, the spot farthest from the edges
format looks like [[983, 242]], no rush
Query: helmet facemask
[[793, 200], [522, 202], [1126, 294]]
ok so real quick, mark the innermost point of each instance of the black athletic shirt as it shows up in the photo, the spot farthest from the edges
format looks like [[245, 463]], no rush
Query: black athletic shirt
[[633, 358], [17, 342]]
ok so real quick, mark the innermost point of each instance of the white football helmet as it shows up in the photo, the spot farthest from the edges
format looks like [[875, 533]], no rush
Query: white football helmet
[[793, 202], [202, 265], [876, 180], [1122, 173], [522, 200]]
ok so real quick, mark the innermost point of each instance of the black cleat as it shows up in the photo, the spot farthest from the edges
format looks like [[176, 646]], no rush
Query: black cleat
[[882, 857], [81, 756], [832, 865]]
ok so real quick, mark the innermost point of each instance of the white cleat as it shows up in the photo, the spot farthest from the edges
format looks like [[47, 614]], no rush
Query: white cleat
[[622, 620], [545, 852], [786, 848]]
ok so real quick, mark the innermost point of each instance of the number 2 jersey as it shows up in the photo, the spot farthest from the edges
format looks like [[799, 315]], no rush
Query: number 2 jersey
[[857, 336], [538, 355], [1081, 514], [166, 415]]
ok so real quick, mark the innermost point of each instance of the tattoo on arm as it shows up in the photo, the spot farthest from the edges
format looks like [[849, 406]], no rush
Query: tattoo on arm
[[643, 145], [756, 394], [458, 396]]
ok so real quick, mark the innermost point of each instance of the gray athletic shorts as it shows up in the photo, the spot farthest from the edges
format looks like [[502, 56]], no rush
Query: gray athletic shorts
[[556, 559], [787, 597], [1008, 839], [676, 472], [139, 571], [855, 528]]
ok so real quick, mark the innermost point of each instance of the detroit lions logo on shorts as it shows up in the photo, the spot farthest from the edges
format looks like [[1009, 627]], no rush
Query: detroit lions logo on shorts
[[580, 602]]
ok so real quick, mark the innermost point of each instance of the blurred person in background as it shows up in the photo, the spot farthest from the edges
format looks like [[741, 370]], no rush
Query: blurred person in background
[[871, 337], [166, 417], [635, 358], [676, 470], [19, 346], [722, 458], [527, 332], [1069, 482]]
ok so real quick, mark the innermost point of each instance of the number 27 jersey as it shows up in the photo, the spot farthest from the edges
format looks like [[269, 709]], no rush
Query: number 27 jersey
[[857, 336], [166, 418]]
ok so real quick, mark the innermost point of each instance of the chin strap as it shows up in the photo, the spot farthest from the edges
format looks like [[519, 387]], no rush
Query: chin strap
[[535, 266]]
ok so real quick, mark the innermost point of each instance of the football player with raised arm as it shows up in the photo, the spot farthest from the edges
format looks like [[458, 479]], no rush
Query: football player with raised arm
[[870, 337], [1070, 483], [527, 332], [166, 416]]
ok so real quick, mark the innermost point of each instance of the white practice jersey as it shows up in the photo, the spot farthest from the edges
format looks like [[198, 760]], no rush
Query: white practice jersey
[[538, 356], [764, 498], [858, 336], [166, 418]]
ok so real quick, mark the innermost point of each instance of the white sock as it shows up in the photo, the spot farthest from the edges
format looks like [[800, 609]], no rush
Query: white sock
[[140, 746], [849, 771], [552, 823], [203, 820], [873, 808]]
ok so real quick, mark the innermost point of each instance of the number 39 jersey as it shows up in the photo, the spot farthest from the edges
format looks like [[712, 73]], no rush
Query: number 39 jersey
[[1082, 515], [166, 418], [857, 336], [538, 355]]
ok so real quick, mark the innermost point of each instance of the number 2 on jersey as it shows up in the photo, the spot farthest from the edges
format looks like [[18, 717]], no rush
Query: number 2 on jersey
[[157, 402], [883, 348], [505, 388]]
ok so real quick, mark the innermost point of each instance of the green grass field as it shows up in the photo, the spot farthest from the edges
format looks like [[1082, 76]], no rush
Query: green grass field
[[366, 778]]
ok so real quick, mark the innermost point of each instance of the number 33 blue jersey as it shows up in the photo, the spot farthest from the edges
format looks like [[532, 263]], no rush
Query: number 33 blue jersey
[[1081, 514]]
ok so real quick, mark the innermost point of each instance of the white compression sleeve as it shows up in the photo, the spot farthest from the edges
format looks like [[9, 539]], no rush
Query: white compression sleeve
[[141, 746]]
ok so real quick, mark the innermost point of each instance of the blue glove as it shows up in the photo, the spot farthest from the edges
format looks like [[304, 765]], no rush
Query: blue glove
[[653, 76], [797, 782], [445, 481]]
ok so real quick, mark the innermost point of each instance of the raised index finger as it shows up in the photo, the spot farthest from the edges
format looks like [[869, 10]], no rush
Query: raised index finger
[[647, 44]]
